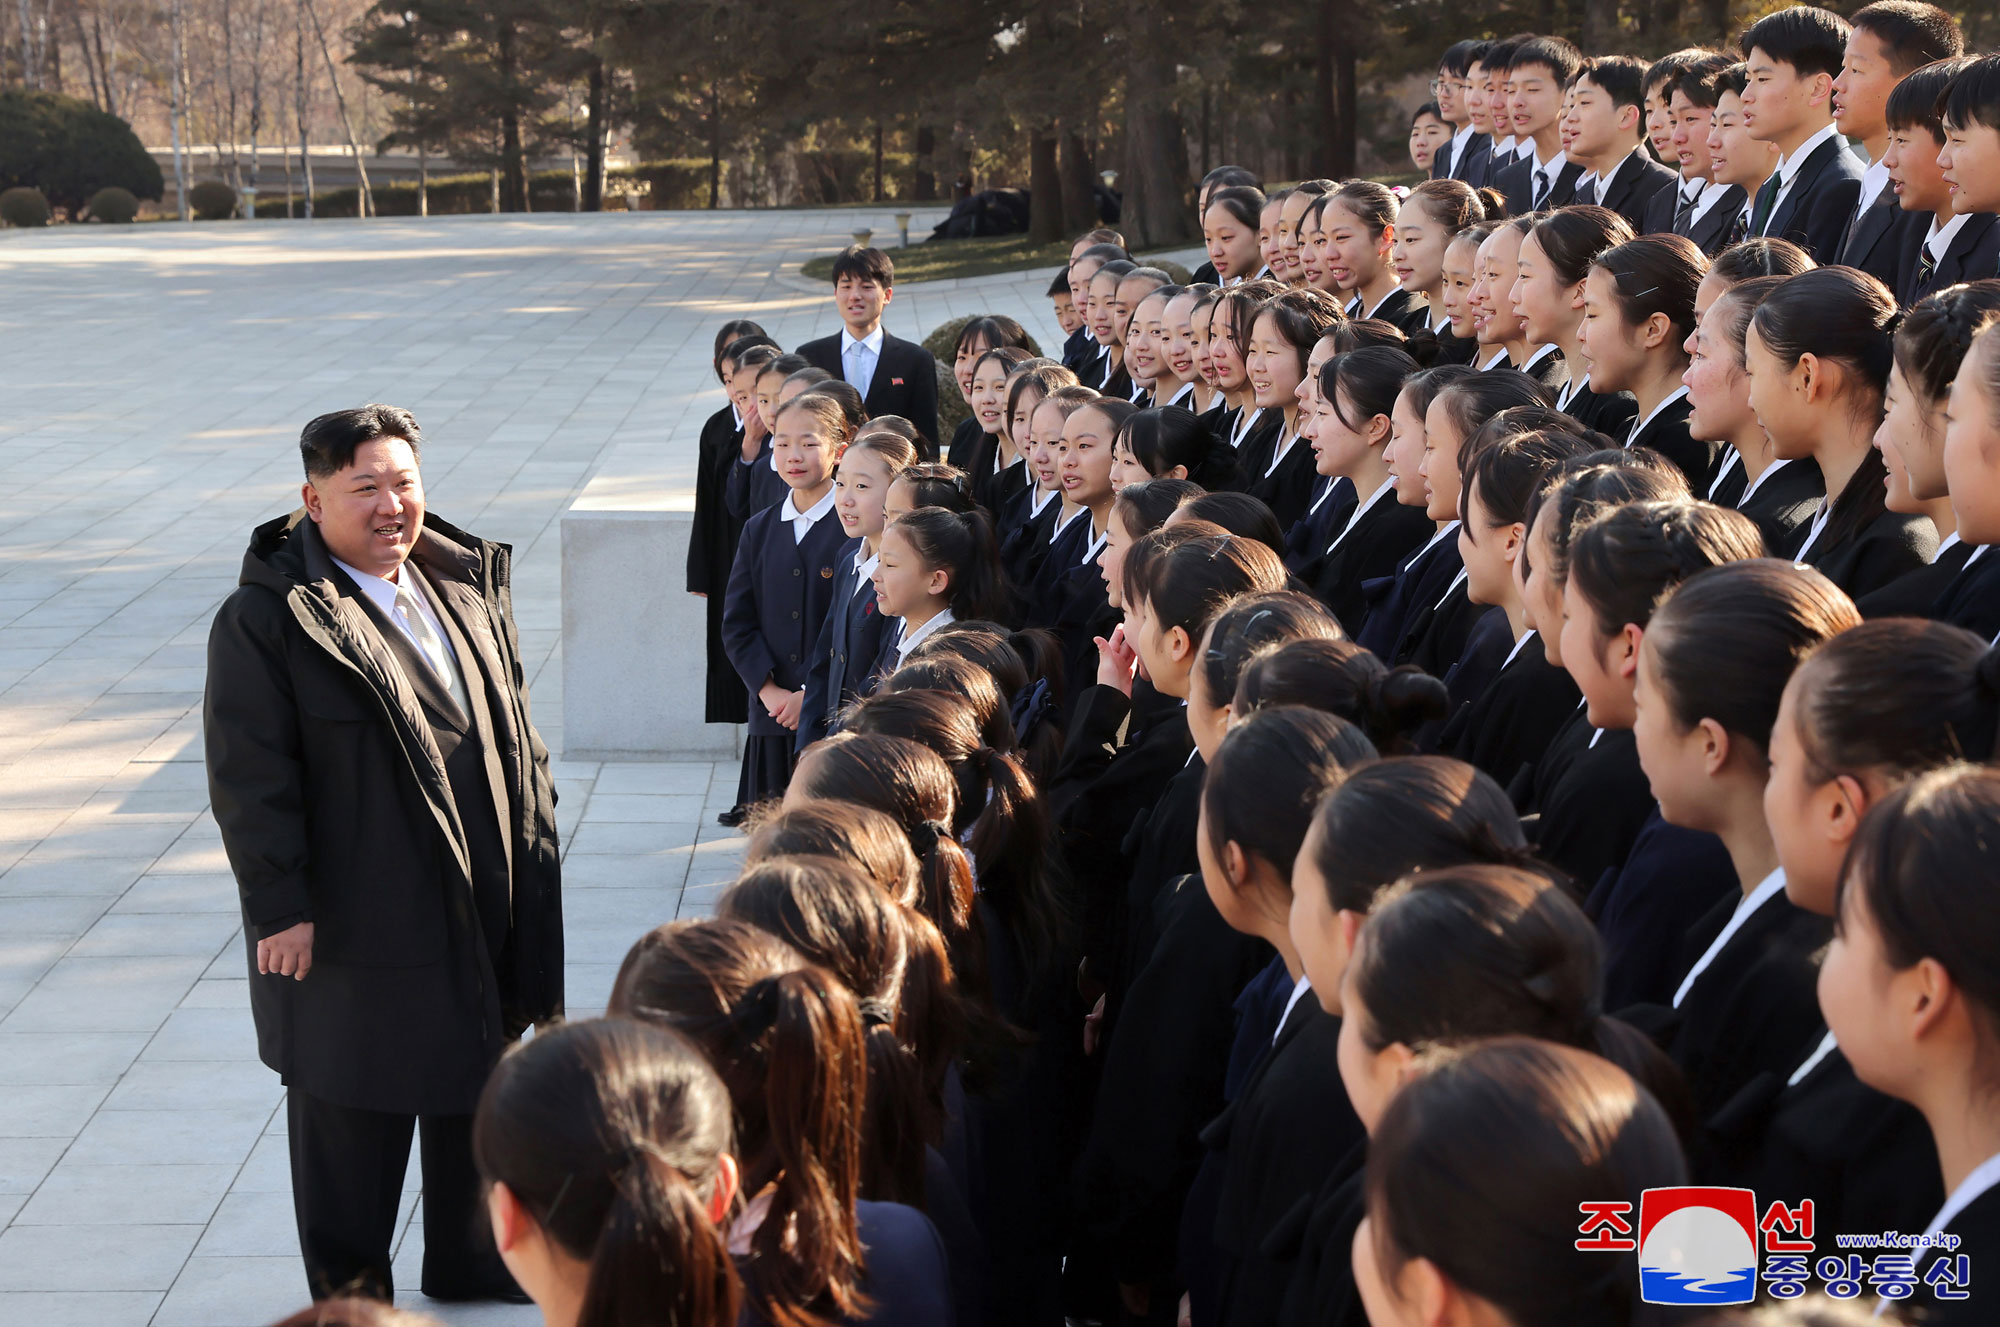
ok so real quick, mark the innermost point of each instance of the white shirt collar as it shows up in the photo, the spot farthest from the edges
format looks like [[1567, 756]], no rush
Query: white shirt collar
[[1825, 1048], [1940, 238], [1299, 988], [1570, 390], [736, 416], [803, 521], [1977, 553], [1503, 146], [1064, 522], [1638, 426], [1758, 482], [911, 639], [1286, 441], [1460, 139], [1360, 510], [1769, 888], [1380, 302], [864, 566], [1499, 358], [1537, 353], [1788, 167], [1243, 426], [1448, 528], [1873, 181], [1554, 165], [1945, 544], [1187, 389], [380, 590], [1711, 194], [1526, 636], [1451, 589], [873, 341], [1097, 543], [1616, 166], [1587, 180], [1038, 500], [1983, 1177]]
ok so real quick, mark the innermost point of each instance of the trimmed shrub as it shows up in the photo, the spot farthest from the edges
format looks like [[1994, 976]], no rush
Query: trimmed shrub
[[212, 200], [113, 206], [24, 207], [69, 150], [942, 341]]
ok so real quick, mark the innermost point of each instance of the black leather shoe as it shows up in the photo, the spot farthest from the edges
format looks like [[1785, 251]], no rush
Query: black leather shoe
[[734, 816]]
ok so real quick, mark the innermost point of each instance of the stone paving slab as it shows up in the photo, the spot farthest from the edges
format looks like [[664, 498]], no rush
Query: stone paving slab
[[156, 378]]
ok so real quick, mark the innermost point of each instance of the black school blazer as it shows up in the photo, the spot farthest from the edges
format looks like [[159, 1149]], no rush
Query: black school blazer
[[1972, 255], [1610, 413], [1509, 724], [1384, 535], [1972, 600], [1877, 236], [1667, 433], [1589, 800], [905, 381], [1915, 593], [1634, 185], [1889, 546], [1814, 214]]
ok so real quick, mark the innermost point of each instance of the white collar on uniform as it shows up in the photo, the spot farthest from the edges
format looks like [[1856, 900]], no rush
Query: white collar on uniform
[[911, 639], [1788, 167], [1519, 645], [1299, 988], [873, 341], [1639, 425], [1711, 194], [1945, 543], [1873, 181], [1499, 358], [1187, 389], [1938, 242], [1758, 482], [802, 522], [1538, 353], [864, 566], [1570, 390], [1040, 499], [1360, 510], [1769, 888]]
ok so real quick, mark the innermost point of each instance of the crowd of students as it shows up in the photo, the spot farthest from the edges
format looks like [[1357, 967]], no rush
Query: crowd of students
[[1476, 708]]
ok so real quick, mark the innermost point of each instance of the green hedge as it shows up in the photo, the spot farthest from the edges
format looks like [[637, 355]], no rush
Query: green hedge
[[69, 149]]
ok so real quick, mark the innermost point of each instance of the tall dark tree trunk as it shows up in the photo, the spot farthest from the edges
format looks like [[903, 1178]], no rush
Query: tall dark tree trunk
[[513, 160], [1347, 111], [1079, 185], [924, 170], [1207, 129], [1325, 117], [1600, 25], [1045, 191], [1717, 22], [1158, 199], [714, 145], [878, 162], [1289, 121], [593, 157]]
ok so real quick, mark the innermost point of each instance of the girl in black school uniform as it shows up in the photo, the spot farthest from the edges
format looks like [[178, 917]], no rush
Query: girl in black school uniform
[[1818, 352], [1464, 274], [1333, 497], [1201, 335], [933, 567], [1018, 493], [1026, 525], [1866, 713], [1638, 312], [1507, 726], [1182, 347], [1712, 669], [1073, 603], [1779, 495], [1553, 263], [1287, 1120], [1449, 957], [753, 482], [605, 1148], [1931, 345], [1479, 1166], [1436, 634], [1724, 381], [788, 1041], [1909, 993], [1146, 350], [1500, 323], [851, 638], [1359, 222], [1621, 561], [1171, 443], [1229, 231], [1249, 427], [989, 451], [712, 538], [1355, 397], [781, 591], [976, 338], [1972, 441], [1427, 222], [1040, 559], [1279, 341]]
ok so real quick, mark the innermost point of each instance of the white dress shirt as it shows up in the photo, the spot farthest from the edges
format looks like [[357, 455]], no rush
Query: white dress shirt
[[909, 639], [1788, 170], [858, 359], [382, 593], [1873, 181], [802, 522]]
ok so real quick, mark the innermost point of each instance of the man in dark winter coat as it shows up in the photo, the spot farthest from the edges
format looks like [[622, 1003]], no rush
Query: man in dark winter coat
[[389, 816]]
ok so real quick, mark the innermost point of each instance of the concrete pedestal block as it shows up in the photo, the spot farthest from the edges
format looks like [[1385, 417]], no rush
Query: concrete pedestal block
[[634, 645]]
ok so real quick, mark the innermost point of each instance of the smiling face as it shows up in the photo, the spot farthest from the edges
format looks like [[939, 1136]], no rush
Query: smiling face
[[1735, 156], [1111, 561], [1493, 315], [1478, 99], [1461, 260], [1972, 447], [1419, 248], [861, 488], [1146, 340], [1971, 165], [1081, 272], [904, 586], [1688, 129], [1043, 449], [371, 512], [1911, 159], [1405, 452], [1659, 121], [1313, 255], [1231, 245], [1267, 237], [768, 401], [1355, 255], [1439, 466], [1549, 308], [1084, 458], [805, 457], [1020, 424], [1125, 468], [1861, 92], [861, 300], [1289, 213], [989, 396], [1177, 349], [1718, 389], [1273, 366], [1100, 315], [1911, 440], [1225, 359], [967, 355]]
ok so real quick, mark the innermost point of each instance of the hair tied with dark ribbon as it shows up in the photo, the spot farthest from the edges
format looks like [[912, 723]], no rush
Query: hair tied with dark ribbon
[[877, 1012], [1030, 707], [926, 835]]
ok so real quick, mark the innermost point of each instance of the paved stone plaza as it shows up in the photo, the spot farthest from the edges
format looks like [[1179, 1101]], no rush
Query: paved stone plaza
[[154, 381]]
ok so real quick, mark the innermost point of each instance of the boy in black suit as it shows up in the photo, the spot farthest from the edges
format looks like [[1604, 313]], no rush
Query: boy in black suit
[[1971, 159], [1606, 138], [1486, 103], [1945, 243], [1734, 156], [1456, 158], [1661, 76], [1703, 206], [1792, 58], [1537, 75], [894, 376], [1890, 41]]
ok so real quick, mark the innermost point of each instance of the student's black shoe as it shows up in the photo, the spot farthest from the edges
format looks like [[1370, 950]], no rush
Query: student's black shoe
[[734, 816]]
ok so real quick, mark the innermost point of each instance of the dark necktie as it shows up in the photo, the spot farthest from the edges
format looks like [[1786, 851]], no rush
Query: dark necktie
[[1684, 212], [1541, 190], [1767, 198], [1926, 269], [1737, 230]]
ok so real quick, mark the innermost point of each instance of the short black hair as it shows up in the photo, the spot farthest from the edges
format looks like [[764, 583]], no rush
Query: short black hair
[[327, 444], [1974, 95], [1498, 53], [1458, 57], [1622, 77], [1917, 100], [1059, 283], [864, 265], [1560, 57], [1117, 267], [1429, 108], [1913, 34], [1809, 39], [1224, 177], [1102, 253], [1669, 68], [1733, 78], [1701, 82]]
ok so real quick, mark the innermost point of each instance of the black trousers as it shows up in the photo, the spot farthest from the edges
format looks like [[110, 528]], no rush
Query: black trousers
[[347, 1183]]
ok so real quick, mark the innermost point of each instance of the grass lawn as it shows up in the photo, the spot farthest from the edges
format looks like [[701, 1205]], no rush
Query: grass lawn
[[939, 260]]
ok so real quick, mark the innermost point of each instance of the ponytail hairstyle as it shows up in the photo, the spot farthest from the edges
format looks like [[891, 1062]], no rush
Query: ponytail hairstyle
[[1242, 201], [833, 916], [935, 484], [1923, 861], [1760, 256], [961, 544], [1408, 814], [1656, 274], [1452, 204], [1361, 333], [1367, 201], [1479, 1166], [610, 1133], [1251, 623], [1898, 696], [1725, 642], [1000, 815], [829, 419], [1738, 305], [1510, 472], [860, 836], [1145, 506], [955, 675], [1572, 237], [1470, 401], [1269, 774], [1462, 953], [787, 1040], [1937, 332], [1189, 582], [1847, 317], [1164, 437], [1027, 667], [1600, 482], [1299, 317], [1371, 379], [1341, 678], [1242, 514], [844, 395], [1624, 560]]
